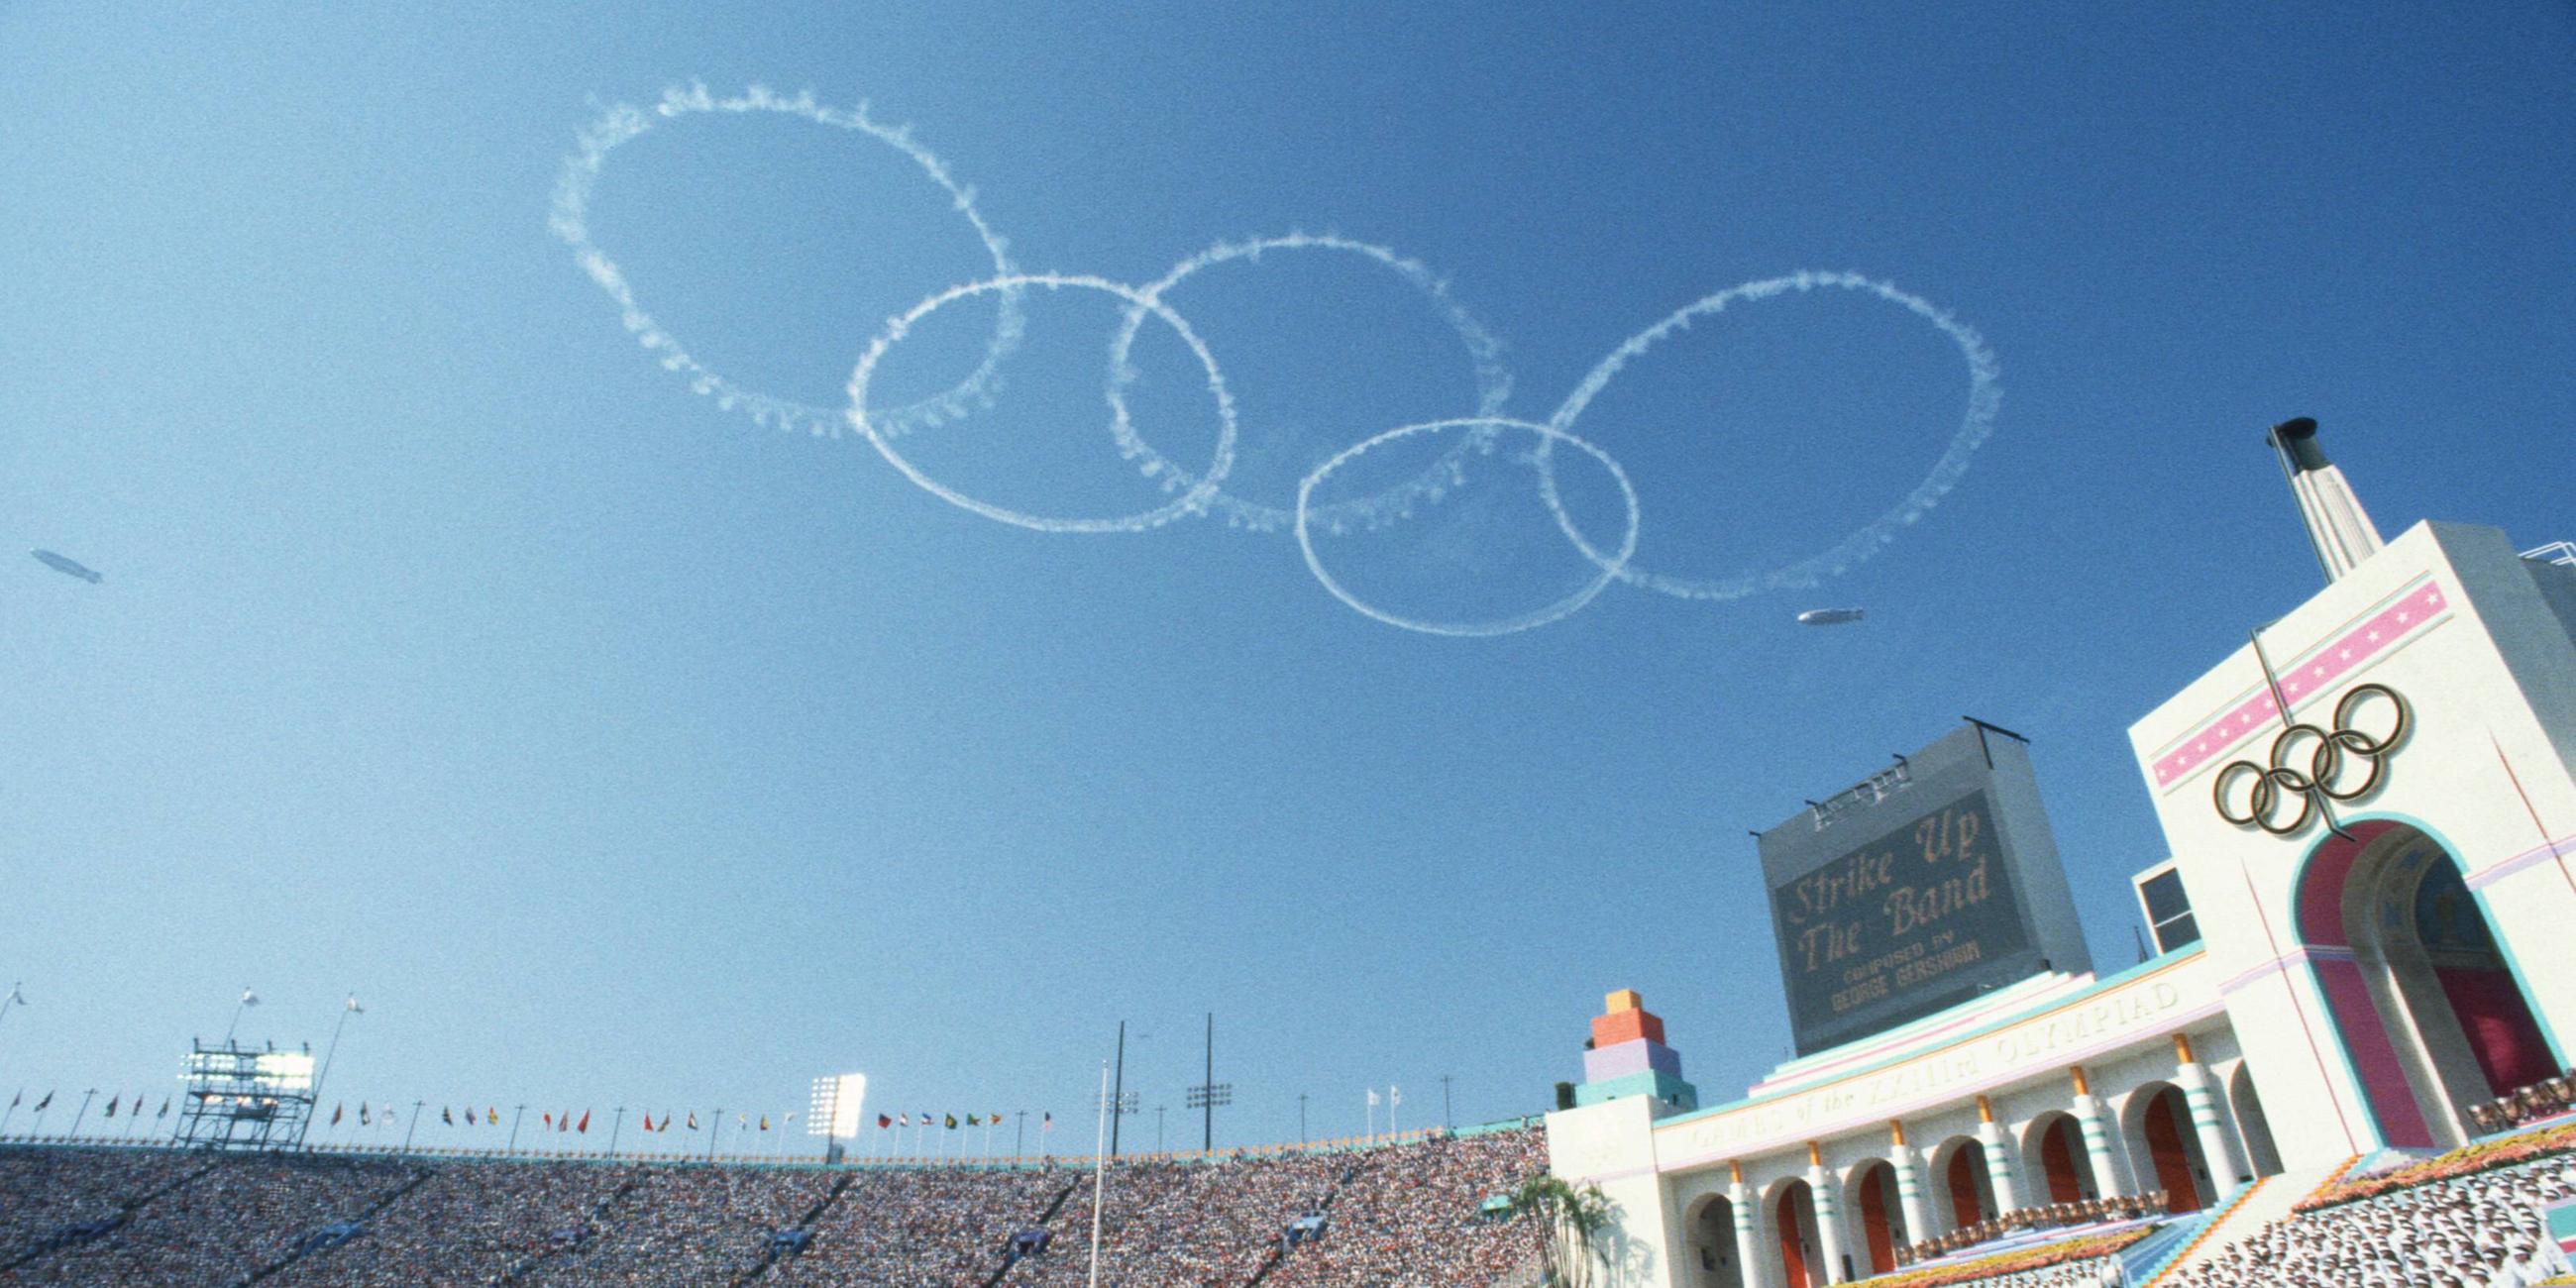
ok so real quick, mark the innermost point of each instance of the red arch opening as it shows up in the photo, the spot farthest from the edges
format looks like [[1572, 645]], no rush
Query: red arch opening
[[1875, 1226], [1795, 1203], [2172, 1160], [2057, 1159], [1965, 1166]]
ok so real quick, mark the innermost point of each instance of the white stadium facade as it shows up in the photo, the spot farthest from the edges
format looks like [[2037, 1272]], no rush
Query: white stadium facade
[[2371, 808]]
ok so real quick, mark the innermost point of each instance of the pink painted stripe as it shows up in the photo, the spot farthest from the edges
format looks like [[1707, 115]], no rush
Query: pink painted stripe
[[2528, 858], [2308, 678], [2295, 957]]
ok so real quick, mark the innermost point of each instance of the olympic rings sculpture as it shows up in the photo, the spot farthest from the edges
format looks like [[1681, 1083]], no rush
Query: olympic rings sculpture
[[2321, 781], [1202, 491]]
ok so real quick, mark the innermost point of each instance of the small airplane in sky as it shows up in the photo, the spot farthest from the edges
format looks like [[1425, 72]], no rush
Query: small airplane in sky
[[67, 567], [1828, 616]]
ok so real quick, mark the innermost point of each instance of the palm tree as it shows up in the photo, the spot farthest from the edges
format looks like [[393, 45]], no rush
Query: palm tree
[[1568, 1218]]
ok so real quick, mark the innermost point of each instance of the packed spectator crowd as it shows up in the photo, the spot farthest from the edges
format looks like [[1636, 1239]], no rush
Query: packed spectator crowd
[[1397, 1216], [2053, 1216], [1408, 1218], [469, 1223], [193, 1224], [2477, 1231], [921, 1228], [2544, 1099]]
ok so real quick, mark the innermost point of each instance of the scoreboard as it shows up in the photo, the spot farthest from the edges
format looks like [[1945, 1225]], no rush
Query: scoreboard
[[1918, 889]]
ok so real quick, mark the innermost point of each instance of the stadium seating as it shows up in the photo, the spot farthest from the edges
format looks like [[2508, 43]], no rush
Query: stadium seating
[[1400, 1215]]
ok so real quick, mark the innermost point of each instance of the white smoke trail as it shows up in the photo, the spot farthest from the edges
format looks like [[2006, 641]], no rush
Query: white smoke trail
[[1484, 352], [623, 122], [1453, 473], [1192, 502], [1985, 397]]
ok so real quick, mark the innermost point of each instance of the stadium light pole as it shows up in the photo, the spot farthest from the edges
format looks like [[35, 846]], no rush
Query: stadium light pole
[[348, 1008], [1118, 1088], [515, 1115]]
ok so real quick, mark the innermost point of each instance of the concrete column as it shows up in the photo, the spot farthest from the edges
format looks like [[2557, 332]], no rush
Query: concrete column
[[1829, 1219], [2224, 1169], [1999, 1166], [2107, 1172], [1748, 1249], [1909, 1195]]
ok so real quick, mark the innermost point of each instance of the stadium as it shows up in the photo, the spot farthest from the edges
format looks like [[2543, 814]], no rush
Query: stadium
[[1295, 646], [2339, 1065]]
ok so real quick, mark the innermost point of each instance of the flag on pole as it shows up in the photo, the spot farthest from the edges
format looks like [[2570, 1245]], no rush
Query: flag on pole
[[648, 1120], [362, 1113], [693, 1120], [563, 1121], [904, 1121], [111, 1106], [884, 1122], [952, 1122], [249, 998], [165, 1108], [585, 1122], [13, 1100], [335, 1115], [764, 1122], [1394, 1094], [492, 1116], [1372, 1097], [40, 1105], [972, 1122], [354, 1008], [546, 1118], [447, 1116]]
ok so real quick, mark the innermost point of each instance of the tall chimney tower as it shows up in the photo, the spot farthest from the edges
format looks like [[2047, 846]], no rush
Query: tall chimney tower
[[2337, 526]]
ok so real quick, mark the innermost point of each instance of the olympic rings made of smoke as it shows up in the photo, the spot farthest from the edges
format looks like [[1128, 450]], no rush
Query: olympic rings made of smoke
[[1203, 493]]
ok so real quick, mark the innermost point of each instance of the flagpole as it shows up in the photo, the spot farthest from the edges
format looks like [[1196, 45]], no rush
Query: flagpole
[[12, 1111], [348, 1008], [515, 1115], [413, 1125], [86, 1097], [1020, 1135], [715, 1132], [1100, 1167], [15, 998]]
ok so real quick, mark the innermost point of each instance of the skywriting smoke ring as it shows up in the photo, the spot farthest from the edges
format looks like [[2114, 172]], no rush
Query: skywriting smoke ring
[[1192, 502], [1493, 380], [623, 122], [1985, 398], [1548, 435]]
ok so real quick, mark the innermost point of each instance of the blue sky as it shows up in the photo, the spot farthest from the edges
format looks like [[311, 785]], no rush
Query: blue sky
[[617, 751]]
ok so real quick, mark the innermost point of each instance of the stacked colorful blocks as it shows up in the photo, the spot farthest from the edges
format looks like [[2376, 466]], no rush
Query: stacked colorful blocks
[[1628, 1057]]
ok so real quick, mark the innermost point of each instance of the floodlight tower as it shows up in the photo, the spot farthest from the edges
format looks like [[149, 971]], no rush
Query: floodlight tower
[[1209, 1094]]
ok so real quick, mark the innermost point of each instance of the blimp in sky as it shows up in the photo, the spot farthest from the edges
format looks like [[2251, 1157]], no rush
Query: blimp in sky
[[1828, 616], [68, 566]]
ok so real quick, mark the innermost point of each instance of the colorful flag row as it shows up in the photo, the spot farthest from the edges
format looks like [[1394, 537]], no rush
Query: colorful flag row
[[1046, 1122]]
